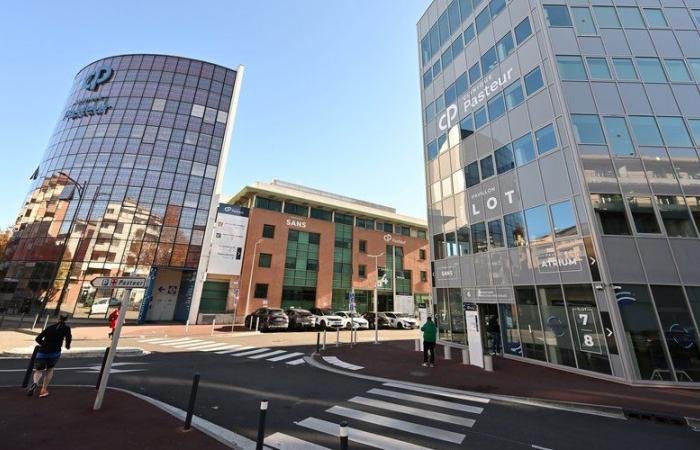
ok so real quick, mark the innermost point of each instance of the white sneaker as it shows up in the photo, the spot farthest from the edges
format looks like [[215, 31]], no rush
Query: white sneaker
[[425, 364]]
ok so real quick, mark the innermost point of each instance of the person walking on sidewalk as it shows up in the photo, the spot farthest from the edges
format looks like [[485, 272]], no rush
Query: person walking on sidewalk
[[429, 337], [494, 331], [50, 342], [113, 318]]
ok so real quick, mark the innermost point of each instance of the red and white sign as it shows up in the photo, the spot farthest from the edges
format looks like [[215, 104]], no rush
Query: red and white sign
[[119, 282]]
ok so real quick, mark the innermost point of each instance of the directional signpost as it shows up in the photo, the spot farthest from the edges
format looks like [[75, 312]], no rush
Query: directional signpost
[[126, 283]]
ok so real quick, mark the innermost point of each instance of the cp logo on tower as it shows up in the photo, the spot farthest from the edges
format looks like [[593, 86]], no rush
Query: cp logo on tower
[[99, 76]]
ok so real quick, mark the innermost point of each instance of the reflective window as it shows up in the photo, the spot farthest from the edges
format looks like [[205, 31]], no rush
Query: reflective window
[[563, 219], [489, 60], [442, 314], [694, 300], [651, 70], [679, 330], [618, 136], [479, 237], [571, 68], [642, 332], [598, 67], [471, 174], [674, 132], [446, 57], [495, 234], [524, 150], [469, 34], [655, 18], [509, 328], [451, 244], [480, 117], [474, 73], [444, 27], [515, 229], [675, 216], [556, 329], [557, 15], [645, 130], [696, 15], [483, 20], [505, 46], [624, 69], [546, 139], [643, 215], [695, 68], [587, 333], [514, 95], [432, 150], [497, 107], [695, 129], [466, 127], [606, 17], [462, 83], [465, 8], [531, 335], [453, 14], [677, 70], [504, 159], [583, 21], [533, 81], [523, 30], [496, 6], [610, 213], [437, 68], [463, 240], [538, 230], [587, 129], [457, 47], [427, 78], [457, 320], [450, 94], [487, 170], [630, 17]]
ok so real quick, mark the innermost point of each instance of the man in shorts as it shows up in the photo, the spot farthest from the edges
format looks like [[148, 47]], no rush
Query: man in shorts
[[50, 342]]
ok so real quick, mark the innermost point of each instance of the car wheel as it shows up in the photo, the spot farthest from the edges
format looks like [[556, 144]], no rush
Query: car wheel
[[399, 325], [348, 326]]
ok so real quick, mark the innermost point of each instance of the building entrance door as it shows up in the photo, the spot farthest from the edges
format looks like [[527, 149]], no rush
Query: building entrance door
[[165, 292], [476, 347], [491, 329]]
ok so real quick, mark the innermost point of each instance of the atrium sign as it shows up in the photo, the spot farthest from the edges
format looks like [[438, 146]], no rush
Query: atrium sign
[[477, 95]]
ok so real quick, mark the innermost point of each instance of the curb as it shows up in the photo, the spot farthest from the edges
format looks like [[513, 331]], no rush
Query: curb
[[613, 412], [85, 352]]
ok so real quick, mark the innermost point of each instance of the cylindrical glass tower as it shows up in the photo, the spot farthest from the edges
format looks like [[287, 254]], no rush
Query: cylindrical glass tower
[[124, 188]]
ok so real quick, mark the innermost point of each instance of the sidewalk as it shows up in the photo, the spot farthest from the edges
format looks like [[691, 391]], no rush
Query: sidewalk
[[65, 419], [399, 361]]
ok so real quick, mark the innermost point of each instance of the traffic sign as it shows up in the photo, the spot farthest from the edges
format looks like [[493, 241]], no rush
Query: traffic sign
[[119, 282]]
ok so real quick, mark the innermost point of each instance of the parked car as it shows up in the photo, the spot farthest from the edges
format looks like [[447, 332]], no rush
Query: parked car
[[326, 319], [300, 319], [383, 322], [352, 320], [399, 320], [102, 304], [267, 319]]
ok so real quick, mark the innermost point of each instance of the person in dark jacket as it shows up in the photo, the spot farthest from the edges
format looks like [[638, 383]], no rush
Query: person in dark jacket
[[494, 331], [429, 337], [50, 342]]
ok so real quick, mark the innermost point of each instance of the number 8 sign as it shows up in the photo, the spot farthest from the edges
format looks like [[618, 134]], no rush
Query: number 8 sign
[[587, 332]]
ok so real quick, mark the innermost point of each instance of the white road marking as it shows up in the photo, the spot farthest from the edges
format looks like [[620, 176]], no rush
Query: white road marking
[[204, 345], [252, 352], [189, 344], [281, 441], [432, 415], [155, 339], [283, 357], [540, 448], [359, 436], [468, 398], [248, 347], [170, 341], [265, 355], [397, 424], [427, 401], [219, 346], [296, 362], [233, 346], [337, 362]]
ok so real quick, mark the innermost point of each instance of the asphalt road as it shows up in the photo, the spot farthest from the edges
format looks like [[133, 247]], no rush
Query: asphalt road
[[304, 400]]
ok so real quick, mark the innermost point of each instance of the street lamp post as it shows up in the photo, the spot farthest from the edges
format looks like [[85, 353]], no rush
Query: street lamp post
[[250, 281], [376, 286], [80, 189]]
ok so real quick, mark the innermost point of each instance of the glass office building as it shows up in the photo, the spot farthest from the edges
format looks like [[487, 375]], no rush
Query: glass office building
[[125, 187], [561, 150]]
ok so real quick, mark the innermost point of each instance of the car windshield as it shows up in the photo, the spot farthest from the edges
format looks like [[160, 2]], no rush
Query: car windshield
[[390, 315], [275, 312], [325, 312], [354, 315], [302, 312], [404, 315]]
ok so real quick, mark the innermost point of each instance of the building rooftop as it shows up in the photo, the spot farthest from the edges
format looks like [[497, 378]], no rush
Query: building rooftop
[[283, 190]]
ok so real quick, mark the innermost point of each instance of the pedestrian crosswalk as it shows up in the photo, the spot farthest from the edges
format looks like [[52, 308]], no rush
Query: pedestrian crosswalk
[[222, 348], [391, 416]]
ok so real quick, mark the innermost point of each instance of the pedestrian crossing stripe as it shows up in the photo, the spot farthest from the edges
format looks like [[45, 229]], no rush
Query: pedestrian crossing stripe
[[336, 362], [425, 390], [281, 441], [419, 412], [296, 362], [359, 436], [265, 355], [426, 401], [287, 356]]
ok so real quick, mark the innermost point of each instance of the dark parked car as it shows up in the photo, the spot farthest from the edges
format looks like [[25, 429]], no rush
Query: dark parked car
[[267, 319], [383, 323], [300, 319]]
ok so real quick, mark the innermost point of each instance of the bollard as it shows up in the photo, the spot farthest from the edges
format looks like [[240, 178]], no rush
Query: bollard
[[324, 339], [318, 342], [193, 397], [416, 345], [448, 352], [488, 363], [337, 337], [465, 356], [46, 323], [187, 326], [36, 319], [213, 324], [30, 367], [21, 320], [257, 323], [102, 368], [261, 426], [343, 434]]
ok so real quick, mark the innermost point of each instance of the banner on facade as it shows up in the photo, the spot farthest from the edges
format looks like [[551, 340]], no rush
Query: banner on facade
[[228, 240]]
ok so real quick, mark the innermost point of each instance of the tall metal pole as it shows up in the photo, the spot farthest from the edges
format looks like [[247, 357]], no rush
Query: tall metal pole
[[376, 286], [393, 275], [64, 288], [126, 297], [250, 281]]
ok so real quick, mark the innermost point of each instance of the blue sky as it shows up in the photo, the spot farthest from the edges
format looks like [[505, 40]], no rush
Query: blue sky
[[330, 96]]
